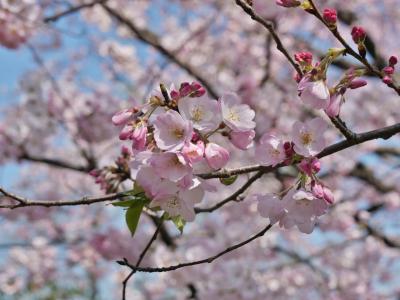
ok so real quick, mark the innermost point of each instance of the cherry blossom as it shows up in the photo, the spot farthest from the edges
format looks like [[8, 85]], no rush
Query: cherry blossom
[[171, 131], [314, 93], [308, 137], [237, 116], [202, 112], [270, 151]]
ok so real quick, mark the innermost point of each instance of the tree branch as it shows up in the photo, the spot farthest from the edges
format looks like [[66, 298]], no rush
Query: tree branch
[[270, 27], [153, 40], [202, 261]]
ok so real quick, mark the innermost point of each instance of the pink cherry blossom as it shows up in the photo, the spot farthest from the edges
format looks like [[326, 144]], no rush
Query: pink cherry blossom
[[270, 151], [270, 206], [204, 113], [177, 202], [171, 131], [242, 139], [193, 152], [139, 136], [308, 137], [237, 116], [314, 93], [302, 210], [172, 166], [217, 156]]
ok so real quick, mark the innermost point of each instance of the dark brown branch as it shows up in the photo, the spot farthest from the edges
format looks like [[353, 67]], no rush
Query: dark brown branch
[[153, 40], [141, 257], [270, 27], [202, 261], [23, 202], [55, 163], [72, 10]]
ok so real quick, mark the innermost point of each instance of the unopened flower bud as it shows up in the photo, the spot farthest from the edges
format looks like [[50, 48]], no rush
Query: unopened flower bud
[[330, 17], [355, 84], [387, 80], [392, 61], [288, 3], [389, 70], [358, 34]]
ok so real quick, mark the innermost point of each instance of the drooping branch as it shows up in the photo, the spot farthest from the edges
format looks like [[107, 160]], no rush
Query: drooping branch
[[153, 40], [202, 261], [270, 27]]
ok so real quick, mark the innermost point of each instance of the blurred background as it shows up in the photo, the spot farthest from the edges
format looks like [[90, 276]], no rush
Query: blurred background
[[68, 66]]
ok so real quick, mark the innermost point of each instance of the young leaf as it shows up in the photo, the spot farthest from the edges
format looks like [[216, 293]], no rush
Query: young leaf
[[132, 216], [179, 223]]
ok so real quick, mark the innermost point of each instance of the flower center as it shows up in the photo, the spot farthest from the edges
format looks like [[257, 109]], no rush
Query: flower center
[[306, 138], [178, 132], [173, 203], [197, 114], [233, 115]]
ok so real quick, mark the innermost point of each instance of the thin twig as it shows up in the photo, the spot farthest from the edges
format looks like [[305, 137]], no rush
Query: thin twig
[[270, 27], [141, 257], [202, 261]]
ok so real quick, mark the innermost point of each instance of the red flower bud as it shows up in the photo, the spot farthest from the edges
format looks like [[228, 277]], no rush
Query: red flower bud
[[330, 16], [387, 80], [304, 57], [393, 60], [388, 70], [358, 34]]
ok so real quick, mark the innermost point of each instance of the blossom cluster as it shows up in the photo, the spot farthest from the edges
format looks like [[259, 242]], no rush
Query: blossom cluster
[[17, 21], [172, 140], [308, 198], [313, 88]]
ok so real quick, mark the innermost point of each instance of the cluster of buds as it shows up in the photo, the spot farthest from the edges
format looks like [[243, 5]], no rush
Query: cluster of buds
[[351, 81], [358, 34], [109, 178], [389, 70]]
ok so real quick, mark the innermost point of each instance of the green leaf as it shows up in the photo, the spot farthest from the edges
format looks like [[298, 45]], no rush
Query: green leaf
[[125, 203], [133, 214], [229, 180], [179, 223]]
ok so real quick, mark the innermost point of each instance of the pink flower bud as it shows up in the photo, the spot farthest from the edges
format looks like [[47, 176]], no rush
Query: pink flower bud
[[217, 156], [330, 16], [304, 57], [393, 60], [328, 195], [174, 95], [355, 84], [125, 151], [95, 173], [388, 70], [310, 166], [197, 90], [122, 117], [358, 34], [334, 105], [317, 190], [288, 3], [387, 80], [185, 89]]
